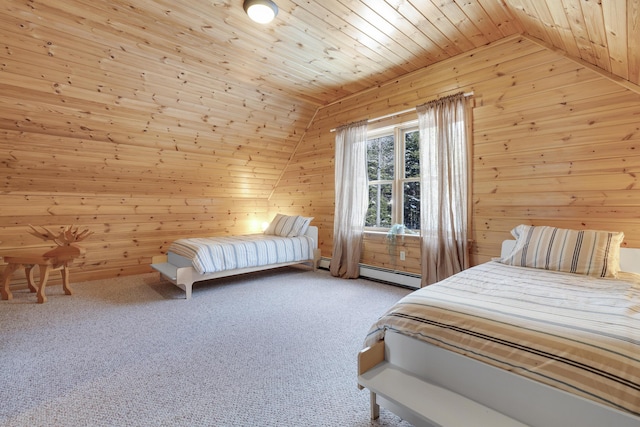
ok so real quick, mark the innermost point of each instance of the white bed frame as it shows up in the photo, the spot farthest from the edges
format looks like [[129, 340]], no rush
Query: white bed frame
[[179, 270], [430, 386]]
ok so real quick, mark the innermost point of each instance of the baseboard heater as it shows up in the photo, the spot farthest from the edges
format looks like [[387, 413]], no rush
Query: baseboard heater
[[386, 275]]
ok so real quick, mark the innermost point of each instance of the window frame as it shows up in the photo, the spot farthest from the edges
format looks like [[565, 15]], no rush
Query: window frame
[[398, 131]]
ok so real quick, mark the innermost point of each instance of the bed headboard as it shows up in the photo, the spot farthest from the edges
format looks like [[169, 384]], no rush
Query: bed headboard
[[629, 257]]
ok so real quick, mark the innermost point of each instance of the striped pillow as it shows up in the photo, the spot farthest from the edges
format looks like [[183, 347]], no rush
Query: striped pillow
[[305, 225], [589, 252], [286, 225]]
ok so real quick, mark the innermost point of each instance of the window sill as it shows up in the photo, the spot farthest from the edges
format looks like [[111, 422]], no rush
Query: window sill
[[384, 234]]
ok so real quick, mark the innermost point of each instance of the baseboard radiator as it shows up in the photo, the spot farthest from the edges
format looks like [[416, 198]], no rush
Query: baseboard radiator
[[386, 275]]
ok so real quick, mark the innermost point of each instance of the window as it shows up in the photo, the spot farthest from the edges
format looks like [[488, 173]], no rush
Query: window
[[393, 168]]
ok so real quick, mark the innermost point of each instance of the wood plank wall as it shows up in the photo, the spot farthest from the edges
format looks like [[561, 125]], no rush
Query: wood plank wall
[[84, 142], [554, 143], [108, 126]]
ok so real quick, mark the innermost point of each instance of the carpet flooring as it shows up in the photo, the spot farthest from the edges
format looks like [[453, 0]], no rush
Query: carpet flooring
[[274, 348]]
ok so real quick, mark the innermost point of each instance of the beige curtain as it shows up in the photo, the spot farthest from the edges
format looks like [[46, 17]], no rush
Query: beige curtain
[[351, 199], [444, 188]]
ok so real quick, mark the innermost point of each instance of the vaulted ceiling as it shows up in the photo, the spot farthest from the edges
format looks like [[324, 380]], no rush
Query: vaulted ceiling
[[214, 71], [320, 51]]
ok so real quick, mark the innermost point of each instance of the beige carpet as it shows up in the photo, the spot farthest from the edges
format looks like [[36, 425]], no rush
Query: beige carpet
[[269, 349]]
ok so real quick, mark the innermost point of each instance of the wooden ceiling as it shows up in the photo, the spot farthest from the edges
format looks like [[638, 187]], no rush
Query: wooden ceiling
[[219, 77], [320, 51]]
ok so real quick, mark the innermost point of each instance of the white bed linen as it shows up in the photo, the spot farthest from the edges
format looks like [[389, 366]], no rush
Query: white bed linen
[[213, 254]]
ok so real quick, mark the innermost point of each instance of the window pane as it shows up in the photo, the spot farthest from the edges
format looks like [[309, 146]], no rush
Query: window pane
[[380, 158], [412, 154], [411, 205], [379, 212]]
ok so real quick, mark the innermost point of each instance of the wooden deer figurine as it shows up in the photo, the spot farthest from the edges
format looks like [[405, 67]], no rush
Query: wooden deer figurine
[[58, 258], [67, 241]]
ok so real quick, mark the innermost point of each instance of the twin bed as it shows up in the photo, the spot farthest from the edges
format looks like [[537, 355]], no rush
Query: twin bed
[[288, 240], [547, 335]]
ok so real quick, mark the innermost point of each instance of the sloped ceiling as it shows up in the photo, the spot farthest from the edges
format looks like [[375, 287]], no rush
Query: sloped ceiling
[[223, 79], [319, 51]]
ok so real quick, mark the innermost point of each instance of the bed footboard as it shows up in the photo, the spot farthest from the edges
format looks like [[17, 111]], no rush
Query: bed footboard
[[420, 402], [428, 386], [367, 359], [370, 357], [182, 277]]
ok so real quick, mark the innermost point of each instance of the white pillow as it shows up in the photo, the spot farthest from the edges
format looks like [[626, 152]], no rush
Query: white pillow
[[589, 252]]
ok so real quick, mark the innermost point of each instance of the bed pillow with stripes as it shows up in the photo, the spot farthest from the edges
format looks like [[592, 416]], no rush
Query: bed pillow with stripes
[[286, 225], [589, 252], [305, 225]]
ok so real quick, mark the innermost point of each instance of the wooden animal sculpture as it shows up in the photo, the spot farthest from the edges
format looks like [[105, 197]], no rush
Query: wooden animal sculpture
[[58, 258]]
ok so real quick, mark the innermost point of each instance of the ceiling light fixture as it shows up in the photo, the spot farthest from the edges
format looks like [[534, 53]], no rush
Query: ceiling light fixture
[[261, 11]]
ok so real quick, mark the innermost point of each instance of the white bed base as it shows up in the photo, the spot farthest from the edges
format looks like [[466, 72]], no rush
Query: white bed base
[[179, 270], [430, 386]]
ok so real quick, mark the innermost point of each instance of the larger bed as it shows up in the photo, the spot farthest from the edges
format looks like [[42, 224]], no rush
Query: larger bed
[[505, 345]]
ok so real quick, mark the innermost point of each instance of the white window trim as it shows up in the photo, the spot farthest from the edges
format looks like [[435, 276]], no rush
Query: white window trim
[[397, 130]]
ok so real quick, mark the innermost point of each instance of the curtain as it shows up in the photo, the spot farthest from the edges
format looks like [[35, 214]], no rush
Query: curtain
[[444, 188], [351, 199]]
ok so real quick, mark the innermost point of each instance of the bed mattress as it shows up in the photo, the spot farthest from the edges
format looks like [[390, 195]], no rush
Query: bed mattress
[[573, 332], [213, 254]]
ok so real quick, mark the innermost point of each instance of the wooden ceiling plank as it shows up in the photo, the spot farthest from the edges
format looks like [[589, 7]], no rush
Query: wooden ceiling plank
[[353, 25], [304, 18], [101, 55], [249, 60], [421, 30], [191, 48], [120, 112], [633, 40], [555, 35], [615, 27], [573, 11], [396, 24], [460, 20], [62, 81], [365, 66], [559, 19], [477, 15], [436, 17], [531, 23], [300, 48], [446, 46], [502, 17], [595, 23]]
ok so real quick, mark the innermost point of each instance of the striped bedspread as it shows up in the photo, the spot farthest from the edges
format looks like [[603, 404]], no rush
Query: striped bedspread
[[212, 254], [577, 333]]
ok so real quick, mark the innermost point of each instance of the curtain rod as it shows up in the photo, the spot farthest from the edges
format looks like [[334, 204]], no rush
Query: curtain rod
[[398, 113]]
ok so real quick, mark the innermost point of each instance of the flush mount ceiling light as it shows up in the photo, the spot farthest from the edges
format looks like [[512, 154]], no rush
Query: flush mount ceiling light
[[261, 11]]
